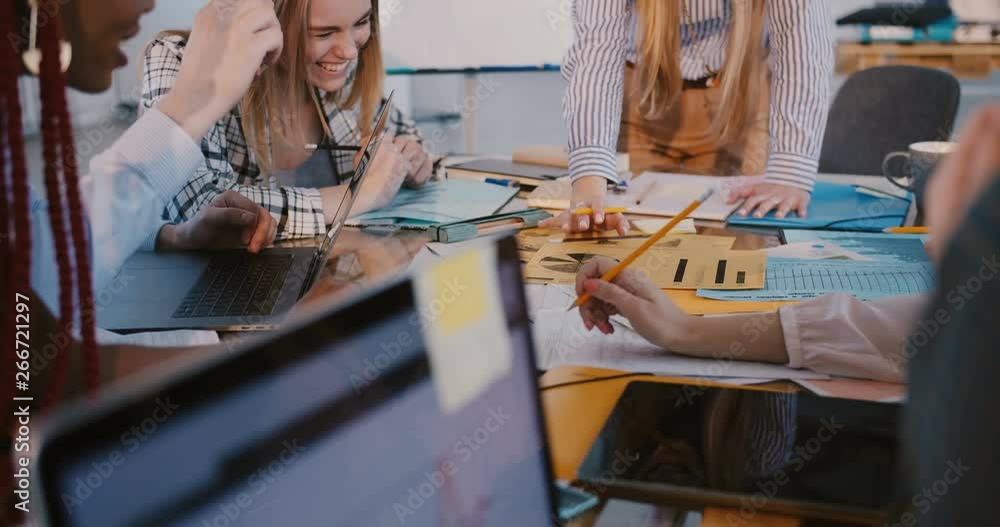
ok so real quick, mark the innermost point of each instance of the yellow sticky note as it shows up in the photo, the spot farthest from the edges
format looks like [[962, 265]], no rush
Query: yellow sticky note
[[459, 283], [465, 327]]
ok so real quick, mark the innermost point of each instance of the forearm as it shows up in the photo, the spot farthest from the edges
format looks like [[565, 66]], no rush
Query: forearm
[[332, 197], [128, 185], [749, 337], [802, 62], [595, 73]]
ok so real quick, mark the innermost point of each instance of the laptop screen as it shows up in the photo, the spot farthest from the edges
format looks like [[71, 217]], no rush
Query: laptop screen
[[353, 186], [350, 420]]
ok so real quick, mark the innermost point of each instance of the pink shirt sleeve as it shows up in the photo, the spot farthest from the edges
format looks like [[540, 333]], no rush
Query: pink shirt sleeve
[[841, 335]]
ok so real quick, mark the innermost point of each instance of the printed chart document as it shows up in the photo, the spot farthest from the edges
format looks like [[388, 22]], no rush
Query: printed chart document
[[680, 262], [815, 250], [884, 247], [805, 279], [561, 339]]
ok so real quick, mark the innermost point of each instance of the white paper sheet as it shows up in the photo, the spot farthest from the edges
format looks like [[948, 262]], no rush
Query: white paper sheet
[[161, 339], [561, 339]]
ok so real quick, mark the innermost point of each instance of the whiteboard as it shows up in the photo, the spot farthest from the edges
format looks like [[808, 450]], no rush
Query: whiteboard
[[460, 34]]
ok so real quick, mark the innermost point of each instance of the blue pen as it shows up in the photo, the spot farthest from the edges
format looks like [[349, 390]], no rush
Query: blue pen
[[501, 182]]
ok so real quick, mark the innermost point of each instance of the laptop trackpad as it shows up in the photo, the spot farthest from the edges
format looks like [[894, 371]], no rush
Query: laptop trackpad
[[148, 289]]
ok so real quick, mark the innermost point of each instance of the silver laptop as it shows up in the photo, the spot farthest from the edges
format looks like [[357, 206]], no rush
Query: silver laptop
[[299, 429], [227, 290]]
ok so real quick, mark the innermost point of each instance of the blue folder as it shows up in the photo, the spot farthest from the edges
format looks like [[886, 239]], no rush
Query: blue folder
[[837, 206]]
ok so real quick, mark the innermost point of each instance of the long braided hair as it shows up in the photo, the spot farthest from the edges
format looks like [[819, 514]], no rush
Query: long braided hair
[[64, 205]]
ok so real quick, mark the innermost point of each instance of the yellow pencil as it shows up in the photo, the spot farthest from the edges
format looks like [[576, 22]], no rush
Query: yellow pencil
[[616, 270], [609, 210], [907, 230]]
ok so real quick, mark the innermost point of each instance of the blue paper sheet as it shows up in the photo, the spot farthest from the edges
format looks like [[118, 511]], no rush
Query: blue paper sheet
[[439, 202], [838, 207], [804, 279], [899, 248]]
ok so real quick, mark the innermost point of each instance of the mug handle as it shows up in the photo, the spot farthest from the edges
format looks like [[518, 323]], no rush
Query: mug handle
[[890, 174]]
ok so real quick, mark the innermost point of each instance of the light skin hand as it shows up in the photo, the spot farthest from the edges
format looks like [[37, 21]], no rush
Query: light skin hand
[[633, 295], [421, 165], [654, 316], [588, 191], [762, 198], [230, 41], [961, 179], [230, 219], [388, 170]]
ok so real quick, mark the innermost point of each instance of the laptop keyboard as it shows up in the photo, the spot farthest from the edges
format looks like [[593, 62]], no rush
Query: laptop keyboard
[[236, 284]]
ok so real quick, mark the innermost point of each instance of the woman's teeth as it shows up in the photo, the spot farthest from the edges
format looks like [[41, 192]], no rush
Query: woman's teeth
[[333, 68]]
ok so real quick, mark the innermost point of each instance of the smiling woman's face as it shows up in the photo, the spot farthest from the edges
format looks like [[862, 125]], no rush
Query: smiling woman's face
[[338, 29], [97, 29]]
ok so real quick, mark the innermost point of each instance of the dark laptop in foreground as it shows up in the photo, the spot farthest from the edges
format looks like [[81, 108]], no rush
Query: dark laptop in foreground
[[228, 290], [378, 413]]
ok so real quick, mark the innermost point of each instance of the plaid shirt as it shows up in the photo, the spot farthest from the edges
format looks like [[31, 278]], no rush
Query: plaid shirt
[[230, 165]]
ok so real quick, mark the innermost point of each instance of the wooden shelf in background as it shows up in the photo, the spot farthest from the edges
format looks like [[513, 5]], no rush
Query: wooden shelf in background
[[963, 60]]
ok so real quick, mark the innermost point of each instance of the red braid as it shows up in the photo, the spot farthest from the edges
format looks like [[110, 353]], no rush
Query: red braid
[[16, 231], [51, 88], [58, 136], [62, 189]]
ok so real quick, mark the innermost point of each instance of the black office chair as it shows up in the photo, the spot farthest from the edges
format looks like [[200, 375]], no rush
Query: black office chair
[[885, 109]]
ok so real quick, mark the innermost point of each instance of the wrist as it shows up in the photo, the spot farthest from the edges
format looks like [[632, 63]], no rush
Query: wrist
[[684, 334], [590, 186], [195, 119], [168, 239]]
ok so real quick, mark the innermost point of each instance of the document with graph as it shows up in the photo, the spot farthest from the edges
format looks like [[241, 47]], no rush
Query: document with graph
[[683, 261], [805, 279]]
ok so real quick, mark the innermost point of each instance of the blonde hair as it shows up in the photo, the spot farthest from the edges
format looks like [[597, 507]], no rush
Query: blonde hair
[[264, 109], [659, 63]]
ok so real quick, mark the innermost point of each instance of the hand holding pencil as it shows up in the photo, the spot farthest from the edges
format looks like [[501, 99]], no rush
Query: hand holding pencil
[[606, 288], [587, 210], [611, 274]]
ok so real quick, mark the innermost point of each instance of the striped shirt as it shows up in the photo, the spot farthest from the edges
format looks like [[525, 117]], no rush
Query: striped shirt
[[230, 165], [801, 39]]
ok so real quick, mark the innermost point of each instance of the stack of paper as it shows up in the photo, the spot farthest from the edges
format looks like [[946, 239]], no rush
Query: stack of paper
[[652, 193], [438, 202], [561, 339]]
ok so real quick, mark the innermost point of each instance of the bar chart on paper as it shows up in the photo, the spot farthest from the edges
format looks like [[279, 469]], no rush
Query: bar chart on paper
[[805, 279]]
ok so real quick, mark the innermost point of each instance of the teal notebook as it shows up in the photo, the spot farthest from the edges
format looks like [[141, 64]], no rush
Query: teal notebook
[[438, 202], [836, 206]]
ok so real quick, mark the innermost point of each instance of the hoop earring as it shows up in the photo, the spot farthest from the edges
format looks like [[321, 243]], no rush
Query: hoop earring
[[32, 58]]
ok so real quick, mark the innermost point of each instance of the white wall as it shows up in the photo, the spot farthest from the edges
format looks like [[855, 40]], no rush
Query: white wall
[[511, 109], [525, 108]]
